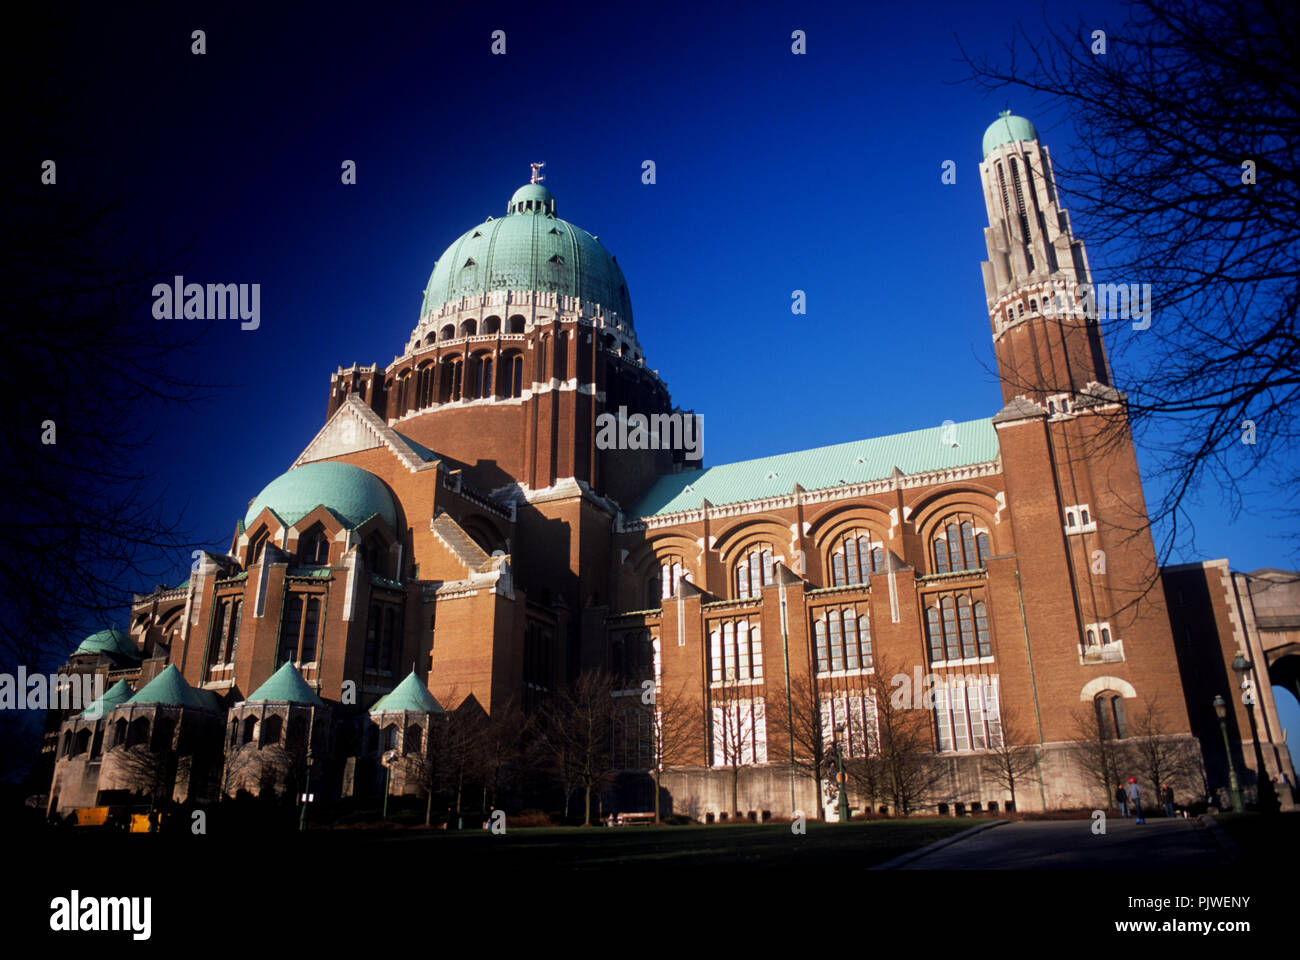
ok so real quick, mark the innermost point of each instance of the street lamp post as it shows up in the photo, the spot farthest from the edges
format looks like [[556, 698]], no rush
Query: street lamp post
[[389, 758], [1221, 708], [306, 796], [1265, 795], [843, 808]]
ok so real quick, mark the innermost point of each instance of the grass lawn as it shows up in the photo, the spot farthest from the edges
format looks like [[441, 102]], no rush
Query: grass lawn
[[1262, 838], [855, 845]]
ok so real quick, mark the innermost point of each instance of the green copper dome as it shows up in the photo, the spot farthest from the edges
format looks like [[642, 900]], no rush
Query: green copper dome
[[169, 688], [118, 693], [355, 495], [112, 641], [1007, 129], [286, 685], [409, 695], [529, 248]]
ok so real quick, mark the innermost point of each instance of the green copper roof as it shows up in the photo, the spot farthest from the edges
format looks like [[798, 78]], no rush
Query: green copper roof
[[169, 687], [410, 695], [355, 495], [119, 692], [112, 641], [286, 685], [917, 451], [529, 249], [1007, 128]]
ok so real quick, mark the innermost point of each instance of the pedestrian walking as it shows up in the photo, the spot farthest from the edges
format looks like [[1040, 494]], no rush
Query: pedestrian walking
[[1135, 799], [1169, 800], [1122, 799]]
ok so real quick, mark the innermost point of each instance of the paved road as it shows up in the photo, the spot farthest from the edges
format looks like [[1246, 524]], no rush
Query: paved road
[[1071, 845]]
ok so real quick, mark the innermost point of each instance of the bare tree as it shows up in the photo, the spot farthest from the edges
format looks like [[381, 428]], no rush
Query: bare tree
[[1012, 760], [902, 766], [1098, 754], [1189, 180], [676, 722], [733, 729], [90, 367], [1163, 757], [576, 732], [798, 717]]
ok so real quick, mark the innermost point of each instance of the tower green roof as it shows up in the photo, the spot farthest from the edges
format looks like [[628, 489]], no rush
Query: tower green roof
[[529, 249], [410, 695], [286, 685], [353, 494], [1007, 128], [111, 641], [170, 688], [119, 692]]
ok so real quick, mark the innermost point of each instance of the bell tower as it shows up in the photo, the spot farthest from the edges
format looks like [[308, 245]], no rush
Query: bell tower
[[1084, 550], [1036, 278]]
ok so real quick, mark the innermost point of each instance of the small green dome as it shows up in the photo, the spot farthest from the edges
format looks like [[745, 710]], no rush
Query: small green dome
[[409, 695], [169, 688], [355, 495], [111, 641], [286, 685], [1007, 128], [529, 249], [118, 693], [542, 200]]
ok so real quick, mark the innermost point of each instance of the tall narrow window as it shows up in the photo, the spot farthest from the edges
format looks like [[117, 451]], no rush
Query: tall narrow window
[[837, 643], [310, 629], [290, 627], [850, 640], [934, 633], [982, 630], [967, 627], [940, 555], [950, 637], [823, 656]]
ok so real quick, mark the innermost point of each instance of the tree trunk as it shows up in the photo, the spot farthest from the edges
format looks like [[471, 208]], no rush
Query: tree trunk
[[428, 808], [586, 818], [656, 780], [735, 791]]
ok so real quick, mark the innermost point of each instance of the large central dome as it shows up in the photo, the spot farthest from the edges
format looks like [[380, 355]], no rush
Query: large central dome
[[529, 249]]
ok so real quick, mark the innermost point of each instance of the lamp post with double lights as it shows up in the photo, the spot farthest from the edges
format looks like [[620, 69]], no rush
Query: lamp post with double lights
[[842, 810], [1265, 795]]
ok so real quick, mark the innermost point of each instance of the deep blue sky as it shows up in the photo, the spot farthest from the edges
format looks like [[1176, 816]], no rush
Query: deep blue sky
[[775, 172]]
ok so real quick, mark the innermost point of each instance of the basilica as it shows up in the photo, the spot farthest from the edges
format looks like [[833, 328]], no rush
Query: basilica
[[468, 525]]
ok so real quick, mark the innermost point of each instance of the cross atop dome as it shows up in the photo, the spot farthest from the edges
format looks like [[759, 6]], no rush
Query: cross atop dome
[[537, 176]]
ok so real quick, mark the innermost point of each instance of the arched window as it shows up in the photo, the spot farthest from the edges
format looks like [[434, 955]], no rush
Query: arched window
[[138, 732], [256, 546], [754, 570], [1105, 635], [81, 742], [310, 630], [982, 630], [951, 639], [934, 633], [250, 729], [67, 743], [297, 736], [671, 573], [652, 592], [842, 640], [854, 557], [492, 325], [517, 324], [1110, 714], [481, 376], [119, 733], [448, 332], [967, 627], [469, 328], [414, 738], [390, 737], [315, 547], [512, 368], [449, 380], [271, 728], [960, 544]]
